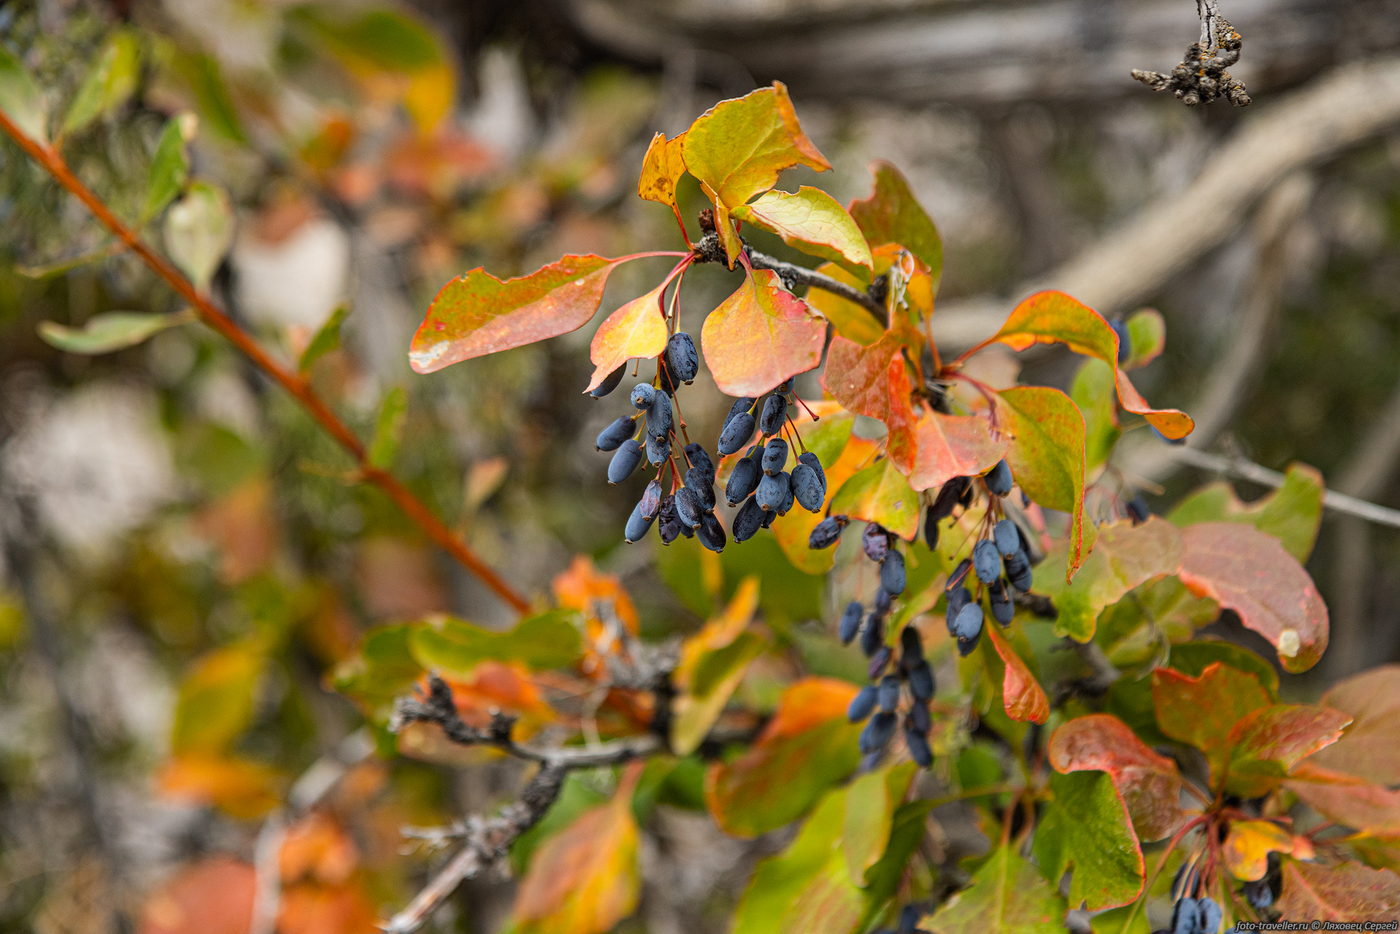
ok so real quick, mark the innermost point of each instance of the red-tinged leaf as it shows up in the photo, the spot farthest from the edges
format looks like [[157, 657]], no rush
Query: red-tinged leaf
[[759, 336], [1228, 693], [806, 748], [1368, 748], [870, 804], [637, 329], [320, 908], [1047, 458], [212, 896], [892, 215], [1248, 845], [584, 879], [880, 493], [1021, 694], [1006, 894], [1267, 742], [1249, 572], [951, 446], [1125, 556], [662, 167], [477, 314], [1292, 513], [1087, 829], [1148, 783], [1347, 892], [812, 221], [1346, 799], [1054, 317], [874, 381]]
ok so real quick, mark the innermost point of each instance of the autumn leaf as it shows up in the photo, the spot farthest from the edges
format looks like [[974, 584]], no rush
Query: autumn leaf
[[235, 785], [1022, 696], [1148, 783], [477, 314], [880, 493], [874, 381], [1249, 572], [662, 167], [760, 336], [1228, 693], [951, 446], [1367, 749], [1292, 513], [637, 329], [1347, 892], [212, 896], [1248, 845], [1346, 799], [1047, 458], [892, 215], [1087, 831], [812, 221], [1266, 743], [711, 665], [842, 455]]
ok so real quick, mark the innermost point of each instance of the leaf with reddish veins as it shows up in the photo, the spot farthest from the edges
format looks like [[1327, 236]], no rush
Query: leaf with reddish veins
[[760, 336], [879, 493], [1346, 799], [477, 314], [892, 215], [1368, 748], [662, 167], [1047, 458], [1148, 783], [1248, 845], [805, 749], [812, 221], [584, 879], [1249, 572], [1347, 892], [1266, 743], [949, 446], [637, 329], [1021, 694], [1228, 693], [1054, 317], [874, 381]]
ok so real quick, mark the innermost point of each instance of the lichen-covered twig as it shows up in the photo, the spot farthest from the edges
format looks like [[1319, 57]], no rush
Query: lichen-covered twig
[[1201, 77]]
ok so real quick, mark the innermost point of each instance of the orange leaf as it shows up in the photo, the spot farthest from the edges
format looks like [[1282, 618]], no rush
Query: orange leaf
[[1266, 743], [873, 381], [637, 329], [213, 896], [1228, 693], [951, 446], [662, 167], [1367, 749], [1348, 892], [759, 336], [1022, 695], [313, 908], [477, 314], [1249, 844], [1346, 799], [317, 847], [1248, 571], [1148, 783], [813, 222], [242, 788]]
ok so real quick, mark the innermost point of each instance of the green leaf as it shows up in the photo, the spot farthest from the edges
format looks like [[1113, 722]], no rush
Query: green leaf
[[811, 221], [170, 166], [870, 803], [477, 314], [1047, 458], [388, 428], [108, 83], [892, 215], [1125, 556], [830, 440], [759, 336], [880, 493], [1192, 658], [1267, 742], [217, 698], [1249, 572], [1086, 829], [380, 670], [385, 37], [113, 330], [1147, 333], [549, 640], [199, 75], [1148, 783], [20, 98], [1005, 894], [712, 662], [199, 232], [1092, 391], [326, 339], [1228, 693], [1292, 513], [806, 748]]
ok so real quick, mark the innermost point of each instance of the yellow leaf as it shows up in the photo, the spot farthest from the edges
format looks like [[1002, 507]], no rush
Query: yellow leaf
[[637, 329], [1249, 844], [662, 167]]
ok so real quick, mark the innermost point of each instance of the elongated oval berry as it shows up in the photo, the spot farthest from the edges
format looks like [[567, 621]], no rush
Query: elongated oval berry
[[879, 662], [959, 574], [1002, 607], [609, 383], [702, 485], [811, 460], [1007, 538], [918, 713], [1259, 893], [611, 437], [625, 460], [650, 503], [999, 478], [958, 598], [747, 521], [850, 622], [947, 498], [743, 480], [681, 358], [711, 533], [1018, 571], [737, 432], [876, 541], [930, 529], [742, 404], [872, 637], [768, 518], [775, 455], [986, 561], [1208, 916], [658, 449], [921, 681], [659, 416], [968, 623], [889, 693], [877, 733], [1137, 510], [688, 508], [917, 744], [773, 491], [827, 532], [668, 523], [883, 602], [770, 422], [808, 488], [637, 524], [698, 457], [1185, 915], [643, 394], [892, 573], [911, 645], [862, 705]]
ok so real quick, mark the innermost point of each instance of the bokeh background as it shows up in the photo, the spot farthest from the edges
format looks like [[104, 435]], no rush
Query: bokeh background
[[165, 512]]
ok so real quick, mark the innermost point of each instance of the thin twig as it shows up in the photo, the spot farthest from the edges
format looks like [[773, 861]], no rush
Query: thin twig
[[708, 250], [51, 160]]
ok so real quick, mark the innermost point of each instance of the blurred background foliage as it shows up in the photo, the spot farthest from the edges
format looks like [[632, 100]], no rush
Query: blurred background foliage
[[187, 559]]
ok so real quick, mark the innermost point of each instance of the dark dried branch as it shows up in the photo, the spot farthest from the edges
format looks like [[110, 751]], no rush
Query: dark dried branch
[[1201, 77], [709, 250]]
